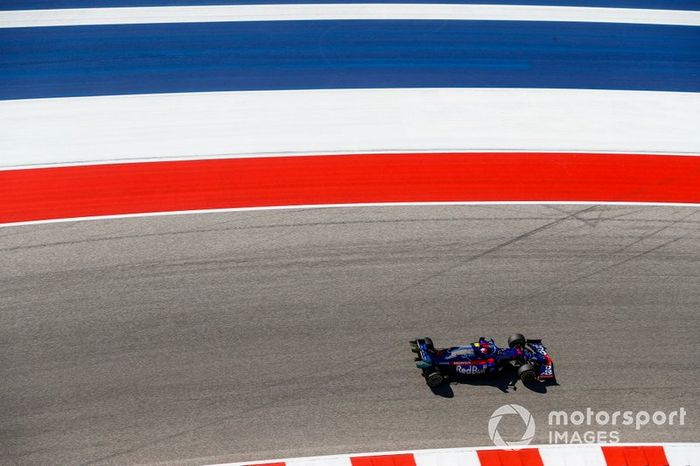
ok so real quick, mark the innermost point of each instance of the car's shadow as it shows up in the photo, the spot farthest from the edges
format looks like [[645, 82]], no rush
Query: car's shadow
[[506, 381]]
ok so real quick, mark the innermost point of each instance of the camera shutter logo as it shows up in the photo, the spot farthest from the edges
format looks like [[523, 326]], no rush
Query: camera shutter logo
[[507, 410]]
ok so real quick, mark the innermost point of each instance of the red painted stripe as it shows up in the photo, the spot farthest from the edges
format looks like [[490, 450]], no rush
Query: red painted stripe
[[524, 457], [404, 459], [65, 192], [635, 456]]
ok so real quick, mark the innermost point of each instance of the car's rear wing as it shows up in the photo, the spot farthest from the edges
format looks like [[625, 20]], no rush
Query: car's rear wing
[[423, 357]]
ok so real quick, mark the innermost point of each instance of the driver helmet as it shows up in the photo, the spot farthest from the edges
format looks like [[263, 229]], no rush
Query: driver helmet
[[485, 346]]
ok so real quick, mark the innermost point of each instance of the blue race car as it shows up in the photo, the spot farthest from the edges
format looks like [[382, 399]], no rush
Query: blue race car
[[483, 357]]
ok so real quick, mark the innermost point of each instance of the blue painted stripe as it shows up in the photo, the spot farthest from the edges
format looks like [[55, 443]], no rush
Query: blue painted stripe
[[189, 57], [55, 4]]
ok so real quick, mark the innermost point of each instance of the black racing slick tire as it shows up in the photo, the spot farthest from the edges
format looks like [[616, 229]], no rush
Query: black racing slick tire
[[517, 339], [527, 373], [434, 379]]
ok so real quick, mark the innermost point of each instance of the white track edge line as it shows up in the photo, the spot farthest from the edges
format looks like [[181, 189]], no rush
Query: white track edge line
[[348, 205], [358, 11]]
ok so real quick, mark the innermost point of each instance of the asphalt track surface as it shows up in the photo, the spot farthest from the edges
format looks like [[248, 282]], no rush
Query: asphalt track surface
[[253, 335]]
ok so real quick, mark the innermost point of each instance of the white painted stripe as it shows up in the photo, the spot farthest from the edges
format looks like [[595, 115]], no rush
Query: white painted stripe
[[682, 454], [218, 13], [321, 461], [266, 123], [374, 204], [447, 458], [574, 455]]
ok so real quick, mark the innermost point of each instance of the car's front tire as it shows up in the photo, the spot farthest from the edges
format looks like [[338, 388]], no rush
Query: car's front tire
[[527, 373]]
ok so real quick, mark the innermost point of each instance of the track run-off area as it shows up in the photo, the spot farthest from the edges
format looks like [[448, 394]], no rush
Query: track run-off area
[[354, 176]]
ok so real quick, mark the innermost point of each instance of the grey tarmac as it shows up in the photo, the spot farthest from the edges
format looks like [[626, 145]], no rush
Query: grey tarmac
[[241, 336]]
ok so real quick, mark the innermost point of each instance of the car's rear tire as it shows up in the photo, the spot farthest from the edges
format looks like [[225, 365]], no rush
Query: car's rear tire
[[527, 373], [517, 339], [434, 379]]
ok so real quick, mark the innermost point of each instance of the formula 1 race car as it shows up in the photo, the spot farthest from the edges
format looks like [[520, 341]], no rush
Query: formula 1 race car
[[483, 357]]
